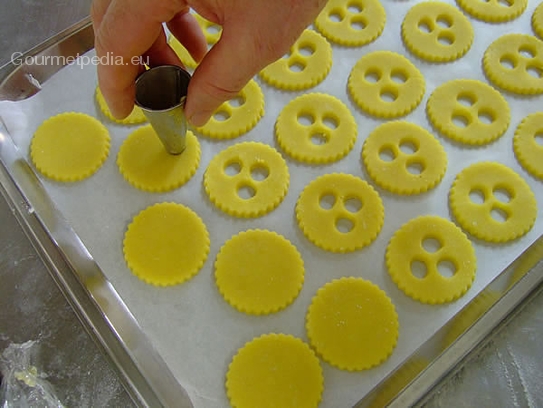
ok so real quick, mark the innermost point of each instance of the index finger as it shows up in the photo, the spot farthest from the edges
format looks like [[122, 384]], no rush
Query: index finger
[[119, 53]]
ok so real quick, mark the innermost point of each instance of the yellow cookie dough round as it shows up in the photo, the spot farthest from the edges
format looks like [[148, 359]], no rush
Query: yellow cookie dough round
[[69, 147], [404, 158], [492, 202], [135, 117], [468, 111], [145, 163], [248, 179], [259, 272], [340, 212], [431, 260], [352, 324], [493, 11], [306, 65], [236, 116], [353, 22], [437, 32], [528, 144], [537, 20], [212, 33], [514, 62], [166, 244], [316, 129], [386, 84], [274, 370]]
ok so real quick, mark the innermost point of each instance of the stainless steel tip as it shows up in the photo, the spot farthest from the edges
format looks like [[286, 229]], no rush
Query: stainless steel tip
[[161, 92]]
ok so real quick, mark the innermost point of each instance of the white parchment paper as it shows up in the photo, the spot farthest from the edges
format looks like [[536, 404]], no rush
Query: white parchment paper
[[193, 328]]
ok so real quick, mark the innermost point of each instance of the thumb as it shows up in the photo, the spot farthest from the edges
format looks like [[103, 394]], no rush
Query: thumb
[[223, 72]]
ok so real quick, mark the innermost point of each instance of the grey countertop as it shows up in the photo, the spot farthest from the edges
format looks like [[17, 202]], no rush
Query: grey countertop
[[507, 372]]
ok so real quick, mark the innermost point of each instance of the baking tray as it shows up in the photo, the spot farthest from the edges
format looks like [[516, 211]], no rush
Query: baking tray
[[143, 369]]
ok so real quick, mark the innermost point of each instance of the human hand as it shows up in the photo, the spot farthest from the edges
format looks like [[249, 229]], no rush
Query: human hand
[[255, 33]]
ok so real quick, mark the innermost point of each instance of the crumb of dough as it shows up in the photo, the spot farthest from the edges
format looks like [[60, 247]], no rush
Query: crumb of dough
[[135, 117], [352, 324], [437, 32], [492, 202], [69, 147], [307, 64], [351, 23], [514, 62], [259, 272], [145, 164], [316, 129], [340, 212], [236, 116], [386, 84], [431, 260], [166, 244], [404, 158], [275, 370], [468, 111], [247, 179]]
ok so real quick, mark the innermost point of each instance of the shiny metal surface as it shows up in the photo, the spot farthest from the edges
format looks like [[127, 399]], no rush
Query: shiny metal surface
[[19, 252], [160, 93]]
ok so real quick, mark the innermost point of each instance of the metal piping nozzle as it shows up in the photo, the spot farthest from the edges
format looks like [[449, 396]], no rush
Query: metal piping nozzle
[[161, 92]]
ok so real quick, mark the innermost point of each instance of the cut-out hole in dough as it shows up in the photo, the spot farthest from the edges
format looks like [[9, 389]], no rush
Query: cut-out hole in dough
[[221, 116], [425, 27], [466, 100], [445, 39], [477, 196], [486, 117], [335, 16], [296, 66], [398, 76], [330, 122], [526, 52], [344, 225], [306, 119], [460, 121], [353, 205], [372, 76], [538, 137], [501, 194], [319, 139], [246, 192], [431, 244], [388, 96], [327, 201], [444, 21], [507, 62], [505, 3], [415, 168], [499, 215], [418, 269], [387, 155], [358, 24], [237, 101], [307, 50], [260, 173], [408, 147], [534, 72], [354, 8], [446, 268], [232, 169]]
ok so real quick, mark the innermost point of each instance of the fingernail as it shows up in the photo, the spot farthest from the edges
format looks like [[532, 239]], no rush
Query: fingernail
[[199, 119]]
